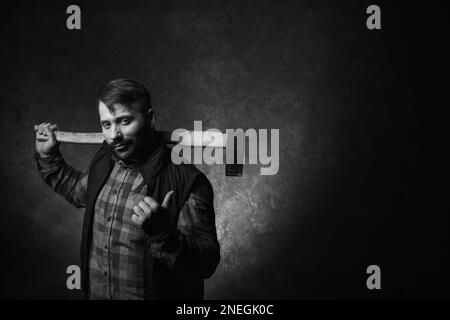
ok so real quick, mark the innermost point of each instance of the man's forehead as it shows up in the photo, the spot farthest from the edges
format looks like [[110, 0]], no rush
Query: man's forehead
[[118, 110]]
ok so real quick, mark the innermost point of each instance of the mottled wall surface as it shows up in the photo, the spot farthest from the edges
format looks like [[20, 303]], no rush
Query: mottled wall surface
[[338, 93]]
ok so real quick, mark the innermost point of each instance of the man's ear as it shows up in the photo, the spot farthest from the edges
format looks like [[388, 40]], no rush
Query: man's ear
[[150, 117]]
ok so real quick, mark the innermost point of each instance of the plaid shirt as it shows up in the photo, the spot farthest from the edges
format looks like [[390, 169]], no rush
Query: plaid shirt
[[116, 260], [116, 257]]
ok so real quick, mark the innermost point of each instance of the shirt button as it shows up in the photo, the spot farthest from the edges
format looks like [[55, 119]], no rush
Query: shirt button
[[106, 247], [109, 218], [114, 191]]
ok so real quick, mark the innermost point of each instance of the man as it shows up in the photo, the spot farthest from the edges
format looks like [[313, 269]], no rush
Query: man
[[149, 225]]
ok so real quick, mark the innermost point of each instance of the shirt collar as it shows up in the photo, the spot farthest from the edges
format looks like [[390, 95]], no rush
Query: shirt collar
[[125, 164]]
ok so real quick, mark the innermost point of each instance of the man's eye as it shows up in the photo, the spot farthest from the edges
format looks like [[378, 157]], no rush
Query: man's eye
[[125, 121], [106, 124]]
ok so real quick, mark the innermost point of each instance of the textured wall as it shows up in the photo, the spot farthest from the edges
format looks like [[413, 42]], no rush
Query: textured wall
[[335, 90]]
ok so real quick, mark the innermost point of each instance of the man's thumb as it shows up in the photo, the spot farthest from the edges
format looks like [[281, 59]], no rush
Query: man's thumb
[[167, 199]]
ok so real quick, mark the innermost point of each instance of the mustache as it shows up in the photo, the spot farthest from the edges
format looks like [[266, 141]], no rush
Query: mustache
[[115, 144]]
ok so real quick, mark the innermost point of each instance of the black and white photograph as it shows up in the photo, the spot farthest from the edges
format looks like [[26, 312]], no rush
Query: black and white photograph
[[219, 150]]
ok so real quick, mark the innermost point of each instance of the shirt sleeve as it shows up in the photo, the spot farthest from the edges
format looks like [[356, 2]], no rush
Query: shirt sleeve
[[192, 245], [63, 179]]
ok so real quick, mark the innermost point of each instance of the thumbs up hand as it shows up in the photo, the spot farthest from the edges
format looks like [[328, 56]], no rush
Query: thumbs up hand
[[150, 207]]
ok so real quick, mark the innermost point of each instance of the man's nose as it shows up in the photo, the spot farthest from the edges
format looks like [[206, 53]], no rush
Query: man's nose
[[116, 134]]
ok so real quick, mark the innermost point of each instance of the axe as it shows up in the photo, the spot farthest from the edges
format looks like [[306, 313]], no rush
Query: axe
[[190, 139]]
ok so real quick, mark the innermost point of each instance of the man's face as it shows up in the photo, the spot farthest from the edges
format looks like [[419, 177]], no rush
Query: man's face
[[125, 130]]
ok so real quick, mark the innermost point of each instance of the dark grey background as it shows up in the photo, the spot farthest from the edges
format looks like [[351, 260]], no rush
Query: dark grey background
[[350, 105]]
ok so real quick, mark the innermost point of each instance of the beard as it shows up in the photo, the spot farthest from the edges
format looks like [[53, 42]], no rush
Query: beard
[[123, 149], [133, 149]]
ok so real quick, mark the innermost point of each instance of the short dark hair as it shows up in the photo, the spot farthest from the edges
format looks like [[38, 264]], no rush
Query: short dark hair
[[128, 92]]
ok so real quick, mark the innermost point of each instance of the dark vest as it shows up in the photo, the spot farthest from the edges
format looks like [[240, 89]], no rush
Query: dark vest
[[161, 176]]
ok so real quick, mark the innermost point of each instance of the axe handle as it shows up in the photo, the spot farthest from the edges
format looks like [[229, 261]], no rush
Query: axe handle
[[79, 137], [190, 138]]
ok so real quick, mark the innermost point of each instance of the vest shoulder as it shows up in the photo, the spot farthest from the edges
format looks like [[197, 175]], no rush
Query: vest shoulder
[[99, 154], [192, 178]]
